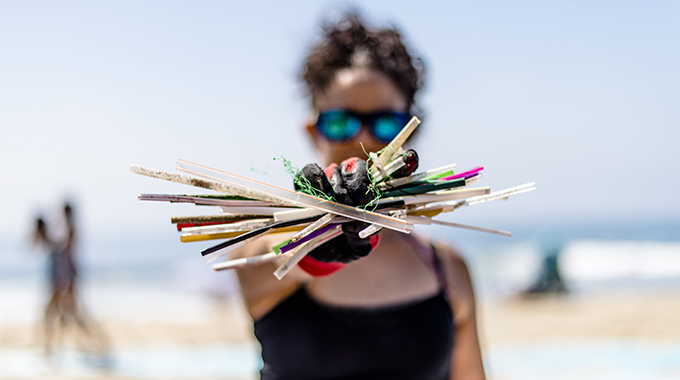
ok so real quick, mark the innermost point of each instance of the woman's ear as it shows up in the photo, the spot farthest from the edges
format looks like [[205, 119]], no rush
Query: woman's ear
[[311, 132]]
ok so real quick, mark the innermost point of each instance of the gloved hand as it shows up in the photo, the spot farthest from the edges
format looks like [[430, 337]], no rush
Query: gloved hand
[[348, 184]]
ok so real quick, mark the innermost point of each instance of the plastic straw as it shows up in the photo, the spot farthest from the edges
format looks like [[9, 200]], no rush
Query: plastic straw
[[502, 194], [212, 253], [425, 220], [233, 235], [418, 176], [389, 169], [310, 228], [282, 216], [469, 181], [474, 228], [445, 196], [292, 197], [450, 206], [247, 262], [368, 231], [302, 252], [466, 174], [269, 210], [292, 245], [426, 188]]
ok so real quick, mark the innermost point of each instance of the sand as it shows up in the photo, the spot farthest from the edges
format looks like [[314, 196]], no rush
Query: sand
[[644, 317]]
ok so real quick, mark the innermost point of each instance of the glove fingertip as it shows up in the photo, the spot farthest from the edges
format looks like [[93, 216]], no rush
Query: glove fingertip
[[374, 240], [329, 170], [315, 177]]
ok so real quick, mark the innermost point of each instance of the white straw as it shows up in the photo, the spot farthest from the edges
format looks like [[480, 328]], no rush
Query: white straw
[[302, 252], [426, 220], [293, 198], [368, 231], [313, 227], [415, 177], [247, 262]]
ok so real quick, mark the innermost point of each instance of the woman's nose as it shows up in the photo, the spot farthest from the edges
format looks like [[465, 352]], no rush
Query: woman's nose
[[366, 138]]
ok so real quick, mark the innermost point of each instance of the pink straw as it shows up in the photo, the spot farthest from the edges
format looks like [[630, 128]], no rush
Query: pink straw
[[466, 174]]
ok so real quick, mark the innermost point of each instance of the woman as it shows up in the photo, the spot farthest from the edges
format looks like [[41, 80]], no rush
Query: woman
[[61, 275], [63, 304], [406, 310]]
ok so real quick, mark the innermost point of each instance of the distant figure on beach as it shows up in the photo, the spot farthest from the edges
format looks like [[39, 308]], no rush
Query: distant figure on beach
[[549, 279], [63, 306]]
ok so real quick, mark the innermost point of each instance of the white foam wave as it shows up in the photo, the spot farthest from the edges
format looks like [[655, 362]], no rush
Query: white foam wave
[[606, 260]]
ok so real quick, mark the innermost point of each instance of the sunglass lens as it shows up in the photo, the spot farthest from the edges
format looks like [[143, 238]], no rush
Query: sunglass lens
[[338, 125], [387, 127]]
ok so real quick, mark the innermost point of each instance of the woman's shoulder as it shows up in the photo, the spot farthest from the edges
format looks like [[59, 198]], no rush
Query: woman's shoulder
[[458, 281]]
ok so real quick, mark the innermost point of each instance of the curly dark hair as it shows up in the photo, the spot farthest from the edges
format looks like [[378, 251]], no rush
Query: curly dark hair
[[348, 42]]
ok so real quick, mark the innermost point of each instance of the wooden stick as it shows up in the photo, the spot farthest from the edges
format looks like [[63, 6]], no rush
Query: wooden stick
[[215, 218], [202, 201], [202, 183], [393, 147], [230, 227], [292, 197]]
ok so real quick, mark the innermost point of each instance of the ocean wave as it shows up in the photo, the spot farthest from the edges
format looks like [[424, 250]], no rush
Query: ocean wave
[[602, 260]]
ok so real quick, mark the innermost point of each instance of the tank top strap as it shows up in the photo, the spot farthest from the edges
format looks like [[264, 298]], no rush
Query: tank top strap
[[428, 254]]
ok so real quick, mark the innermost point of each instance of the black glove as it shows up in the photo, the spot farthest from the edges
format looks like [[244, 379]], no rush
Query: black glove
[[348, 184]]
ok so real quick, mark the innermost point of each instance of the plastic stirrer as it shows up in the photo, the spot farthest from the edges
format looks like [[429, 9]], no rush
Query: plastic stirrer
[[293, 198]]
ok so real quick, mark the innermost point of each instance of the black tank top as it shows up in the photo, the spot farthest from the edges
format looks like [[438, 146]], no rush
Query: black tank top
[[302, 339]]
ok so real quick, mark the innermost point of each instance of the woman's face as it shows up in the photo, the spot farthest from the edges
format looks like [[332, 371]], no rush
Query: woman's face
[[361, 90]]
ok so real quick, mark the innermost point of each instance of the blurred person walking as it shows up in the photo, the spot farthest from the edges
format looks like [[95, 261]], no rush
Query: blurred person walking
[[63, 306], [59, 278]]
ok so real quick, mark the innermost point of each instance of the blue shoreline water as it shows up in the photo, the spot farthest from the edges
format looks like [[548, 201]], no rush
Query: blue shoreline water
[[608, 359]]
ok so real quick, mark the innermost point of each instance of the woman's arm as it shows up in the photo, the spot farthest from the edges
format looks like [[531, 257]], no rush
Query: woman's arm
[[261, 291], [466, 361]]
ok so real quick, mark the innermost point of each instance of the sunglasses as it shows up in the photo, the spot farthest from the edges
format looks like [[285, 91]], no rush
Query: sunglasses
[[343, 125]]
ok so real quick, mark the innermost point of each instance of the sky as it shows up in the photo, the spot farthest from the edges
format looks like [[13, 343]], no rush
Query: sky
[[579, 96]]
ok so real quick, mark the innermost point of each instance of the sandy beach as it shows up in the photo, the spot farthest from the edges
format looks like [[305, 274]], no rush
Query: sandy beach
[[650, 318]]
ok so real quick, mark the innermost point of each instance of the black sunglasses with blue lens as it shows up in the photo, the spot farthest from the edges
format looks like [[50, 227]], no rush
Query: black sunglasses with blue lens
[[343, 125]]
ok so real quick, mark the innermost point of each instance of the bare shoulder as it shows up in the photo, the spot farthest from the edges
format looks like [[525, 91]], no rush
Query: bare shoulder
[[459, 283]]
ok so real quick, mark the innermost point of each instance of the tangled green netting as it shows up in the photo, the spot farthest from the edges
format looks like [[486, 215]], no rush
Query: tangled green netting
[[306, 187], [300, 181]]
